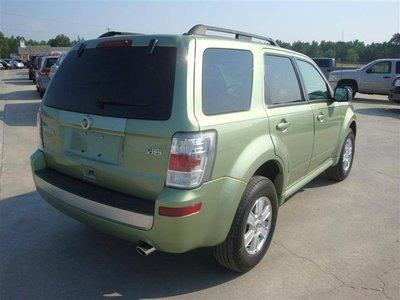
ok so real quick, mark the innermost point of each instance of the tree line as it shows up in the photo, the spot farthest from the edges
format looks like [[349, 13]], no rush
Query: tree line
[[10, 45], [344, 52], [348, 52]]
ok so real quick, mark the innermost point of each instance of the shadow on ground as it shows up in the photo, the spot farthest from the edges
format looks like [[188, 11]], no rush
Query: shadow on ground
[[21, 114], [48, 256], [19, 82], [380, 112], [20, 95], [372, 101]]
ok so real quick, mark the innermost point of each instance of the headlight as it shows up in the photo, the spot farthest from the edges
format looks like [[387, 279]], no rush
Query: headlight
[[397, 82]]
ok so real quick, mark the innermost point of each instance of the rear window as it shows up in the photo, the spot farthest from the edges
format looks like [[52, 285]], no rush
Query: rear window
[[124, 82], [50, 62], [227, 80]]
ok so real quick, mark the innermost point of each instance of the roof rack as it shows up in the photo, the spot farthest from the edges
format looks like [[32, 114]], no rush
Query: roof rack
[[201, 30], [113, 33]]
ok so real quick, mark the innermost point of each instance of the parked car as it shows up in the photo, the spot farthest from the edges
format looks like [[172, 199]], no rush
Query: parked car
[[7, 63], [394, 93], [326, 64], [36, 67], [26, 63], [33, 66], [17, 64], [169, 141], [373, 78], [42, 78], [55, 66]]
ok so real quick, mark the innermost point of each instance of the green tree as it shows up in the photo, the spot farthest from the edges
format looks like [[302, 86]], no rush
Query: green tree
[[395, 40], [60, 40], [78, 40], [330, 53], [351, 56]]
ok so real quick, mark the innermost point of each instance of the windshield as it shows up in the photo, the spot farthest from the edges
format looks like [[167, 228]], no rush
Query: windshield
[[125, 82]]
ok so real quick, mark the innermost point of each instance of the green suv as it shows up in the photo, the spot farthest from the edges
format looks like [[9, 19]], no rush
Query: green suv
[[177, 142]]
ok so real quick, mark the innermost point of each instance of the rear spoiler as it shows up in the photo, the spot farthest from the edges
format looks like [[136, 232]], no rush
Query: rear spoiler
[[114, 33]]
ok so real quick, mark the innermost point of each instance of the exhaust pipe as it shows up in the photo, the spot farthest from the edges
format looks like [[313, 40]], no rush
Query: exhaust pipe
[[145, 249]]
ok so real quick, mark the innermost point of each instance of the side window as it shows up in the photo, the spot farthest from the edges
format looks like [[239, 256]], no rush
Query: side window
[[381, 67], [281, 83], [314, 83], [227, 80], [398, 67]]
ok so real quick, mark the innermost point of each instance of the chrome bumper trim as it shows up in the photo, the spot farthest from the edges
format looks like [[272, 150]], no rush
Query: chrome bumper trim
[[107, 212]]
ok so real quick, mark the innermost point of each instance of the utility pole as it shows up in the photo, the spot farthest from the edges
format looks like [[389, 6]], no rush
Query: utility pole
[[108, 29]]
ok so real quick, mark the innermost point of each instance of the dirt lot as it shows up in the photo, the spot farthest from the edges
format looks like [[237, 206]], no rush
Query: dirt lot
[[333, 241]]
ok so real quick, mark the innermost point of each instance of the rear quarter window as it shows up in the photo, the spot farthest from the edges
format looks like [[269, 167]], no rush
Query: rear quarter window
[[227, 81]]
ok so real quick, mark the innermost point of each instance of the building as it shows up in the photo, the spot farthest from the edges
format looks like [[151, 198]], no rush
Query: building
[[27, 51]]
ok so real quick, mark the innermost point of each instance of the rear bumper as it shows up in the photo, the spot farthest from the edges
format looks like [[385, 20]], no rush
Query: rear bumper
[[68, 191], [208, 227]]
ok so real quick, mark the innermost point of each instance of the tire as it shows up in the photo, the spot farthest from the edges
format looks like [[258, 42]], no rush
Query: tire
[[341, 170], [350, 86], [232, 253]]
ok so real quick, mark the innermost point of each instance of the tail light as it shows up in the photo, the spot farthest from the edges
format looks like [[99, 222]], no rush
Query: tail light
[[191, 159], [45, 71], [39, 130]]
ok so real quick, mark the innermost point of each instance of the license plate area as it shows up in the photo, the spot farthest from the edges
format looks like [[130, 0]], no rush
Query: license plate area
[[98, 146]]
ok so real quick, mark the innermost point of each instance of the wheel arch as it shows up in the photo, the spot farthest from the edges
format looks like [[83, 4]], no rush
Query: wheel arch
[[353, 126], [349, 122], [273, 170], [348, 81]]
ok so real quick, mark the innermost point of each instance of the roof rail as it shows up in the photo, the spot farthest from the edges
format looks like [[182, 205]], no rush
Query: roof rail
[[113, 33], [201, 30]]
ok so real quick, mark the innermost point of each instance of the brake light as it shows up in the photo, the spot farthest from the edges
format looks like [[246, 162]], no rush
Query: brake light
[[191, 159], [45, 71], [114, 43], [182, 162]]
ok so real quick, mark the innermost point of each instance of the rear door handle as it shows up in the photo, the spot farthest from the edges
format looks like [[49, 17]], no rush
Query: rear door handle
[[321, 117], [282, 125], [387, 77]]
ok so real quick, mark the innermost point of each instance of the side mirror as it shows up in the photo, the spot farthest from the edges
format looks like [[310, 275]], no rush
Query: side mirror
[[368, 71], [343, 94]]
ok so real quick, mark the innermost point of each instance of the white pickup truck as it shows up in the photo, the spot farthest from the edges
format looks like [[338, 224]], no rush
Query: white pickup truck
[[374, 78]]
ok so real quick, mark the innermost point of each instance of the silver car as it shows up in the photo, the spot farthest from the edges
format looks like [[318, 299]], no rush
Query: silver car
[[42, 75], [55, 66], [373, 78]]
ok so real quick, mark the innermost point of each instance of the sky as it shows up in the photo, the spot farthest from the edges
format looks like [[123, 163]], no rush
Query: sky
[[368, 21]]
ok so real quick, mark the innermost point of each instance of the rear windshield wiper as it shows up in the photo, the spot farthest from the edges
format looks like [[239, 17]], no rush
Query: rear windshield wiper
[[101, 103]]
